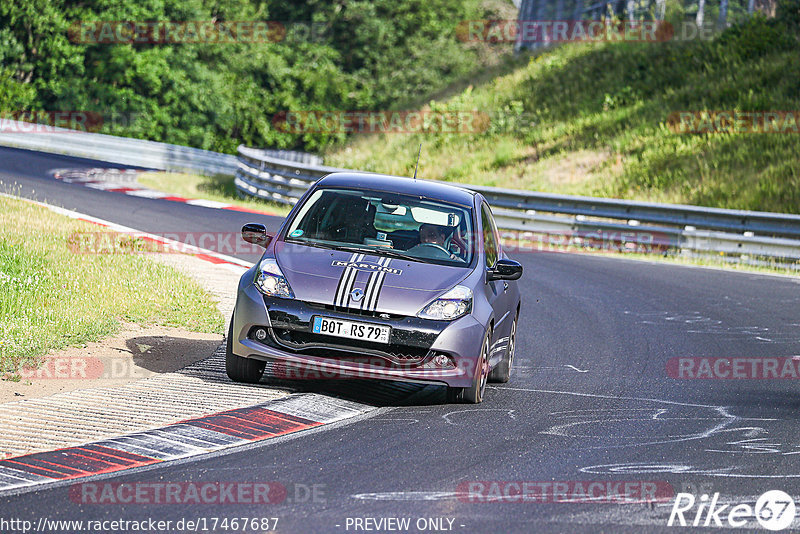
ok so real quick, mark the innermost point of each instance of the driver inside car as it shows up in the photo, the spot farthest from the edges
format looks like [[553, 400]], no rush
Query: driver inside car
[[432, 239], [432, 233]]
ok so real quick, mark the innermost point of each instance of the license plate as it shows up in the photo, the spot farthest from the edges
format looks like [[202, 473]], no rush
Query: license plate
[[351, 329]]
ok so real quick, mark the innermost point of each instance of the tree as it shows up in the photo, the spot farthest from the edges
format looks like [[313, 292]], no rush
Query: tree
[[723, 14], [701, 4]]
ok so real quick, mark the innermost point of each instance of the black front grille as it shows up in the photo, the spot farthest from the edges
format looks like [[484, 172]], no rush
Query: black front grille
[[410, 340], [355, 311], [322, 345]]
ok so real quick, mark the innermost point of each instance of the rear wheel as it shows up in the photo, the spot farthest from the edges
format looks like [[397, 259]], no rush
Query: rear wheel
[[474, 393], [502, 371], [240, 369]]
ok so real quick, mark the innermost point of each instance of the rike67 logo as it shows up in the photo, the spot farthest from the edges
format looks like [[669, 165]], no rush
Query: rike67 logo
[[774, 510]]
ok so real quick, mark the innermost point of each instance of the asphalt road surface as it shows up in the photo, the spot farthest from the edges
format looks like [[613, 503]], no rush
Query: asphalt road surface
[[590, 399]]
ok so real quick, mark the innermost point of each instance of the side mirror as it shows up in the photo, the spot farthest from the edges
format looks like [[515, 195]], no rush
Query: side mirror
[[256, 234], [504, 270]]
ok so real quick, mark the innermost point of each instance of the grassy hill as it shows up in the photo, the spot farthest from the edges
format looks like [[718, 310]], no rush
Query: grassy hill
[[595, 119]]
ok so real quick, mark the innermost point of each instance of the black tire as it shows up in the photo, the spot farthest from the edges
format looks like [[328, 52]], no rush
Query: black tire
[[502, 371], [240, 369], [474, 393]]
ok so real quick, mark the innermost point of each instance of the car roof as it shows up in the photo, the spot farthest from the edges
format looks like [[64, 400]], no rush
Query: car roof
[[398, 184]]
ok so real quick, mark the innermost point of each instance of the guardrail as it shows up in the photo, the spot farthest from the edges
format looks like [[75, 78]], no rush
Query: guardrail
[[283, 176], [685, 228], [128, 151]]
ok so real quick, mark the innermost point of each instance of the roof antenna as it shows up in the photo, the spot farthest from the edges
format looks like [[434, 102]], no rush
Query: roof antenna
[[417, 164]]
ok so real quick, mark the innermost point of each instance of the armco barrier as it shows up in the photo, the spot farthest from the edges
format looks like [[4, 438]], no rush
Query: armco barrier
[[689, 228], [283, 176], [127, 151]]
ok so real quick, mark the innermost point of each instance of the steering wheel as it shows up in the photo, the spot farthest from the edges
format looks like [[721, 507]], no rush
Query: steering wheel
[[438, 247]]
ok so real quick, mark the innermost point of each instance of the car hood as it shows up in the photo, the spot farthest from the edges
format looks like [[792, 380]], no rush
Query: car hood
[[387, 285]]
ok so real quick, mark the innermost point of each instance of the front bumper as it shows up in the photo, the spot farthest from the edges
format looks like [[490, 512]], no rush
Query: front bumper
[[299, 354]]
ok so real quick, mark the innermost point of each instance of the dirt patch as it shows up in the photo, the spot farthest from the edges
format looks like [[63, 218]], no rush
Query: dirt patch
[[135, 352], [575, 168]]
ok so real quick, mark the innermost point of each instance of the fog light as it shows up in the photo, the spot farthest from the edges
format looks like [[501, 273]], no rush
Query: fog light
[[440, 361], [261, 334]]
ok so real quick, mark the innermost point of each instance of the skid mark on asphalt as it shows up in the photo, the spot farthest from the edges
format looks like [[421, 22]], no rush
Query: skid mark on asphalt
[[678, 469], [697, 323], [397, 420], [529, 370], [451, 417]]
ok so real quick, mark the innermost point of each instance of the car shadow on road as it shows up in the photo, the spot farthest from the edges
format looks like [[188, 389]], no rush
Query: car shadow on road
[[382, 393]]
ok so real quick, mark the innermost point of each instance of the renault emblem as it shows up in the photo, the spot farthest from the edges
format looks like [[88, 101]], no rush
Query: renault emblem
[[357, 294]]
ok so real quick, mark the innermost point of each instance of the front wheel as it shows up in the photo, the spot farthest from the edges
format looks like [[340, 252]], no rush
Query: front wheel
[[502, 371], [474, 393], [240, 369]]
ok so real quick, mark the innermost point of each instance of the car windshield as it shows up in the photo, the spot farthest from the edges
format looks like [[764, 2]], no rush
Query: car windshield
[[401, 225]]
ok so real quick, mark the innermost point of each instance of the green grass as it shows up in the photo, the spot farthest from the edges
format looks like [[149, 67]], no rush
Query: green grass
[[51, 298], [219, 188], [591, 119]]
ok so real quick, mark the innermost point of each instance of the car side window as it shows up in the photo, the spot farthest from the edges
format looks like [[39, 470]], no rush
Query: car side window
[[489, 240]]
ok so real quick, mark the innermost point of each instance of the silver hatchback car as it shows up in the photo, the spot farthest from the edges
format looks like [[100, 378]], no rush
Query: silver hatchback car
[[380, 277]]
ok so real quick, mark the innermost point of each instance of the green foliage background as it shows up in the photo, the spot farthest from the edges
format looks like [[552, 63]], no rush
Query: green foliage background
[[369, 54]]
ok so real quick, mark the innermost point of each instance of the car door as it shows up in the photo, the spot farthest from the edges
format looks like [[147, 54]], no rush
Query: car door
[[496, 290]]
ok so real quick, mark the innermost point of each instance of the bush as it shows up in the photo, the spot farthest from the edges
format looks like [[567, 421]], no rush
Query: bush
[[369, 55]]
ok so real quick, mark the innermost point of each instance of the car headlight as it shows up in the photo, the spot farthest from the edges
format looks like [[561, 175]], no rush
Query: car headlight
[[451, 305], [270, 280]]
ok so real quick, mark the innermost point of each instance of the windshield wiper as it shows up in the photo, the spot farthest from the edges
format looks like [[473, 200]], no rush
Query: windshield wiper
[[311, 244], [377, 251], [401, 255]]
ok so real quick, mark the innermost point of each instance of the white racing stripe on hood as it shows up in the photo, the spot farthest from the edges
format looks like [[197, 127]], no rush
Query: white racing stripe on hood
[[372, 298], [368, 288], [372, 288], [346, 281], [373, 285]]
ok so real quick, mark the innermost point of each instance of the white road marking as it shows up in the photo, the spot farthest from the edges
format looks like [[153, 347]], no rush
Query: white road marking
[[575, 368]]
